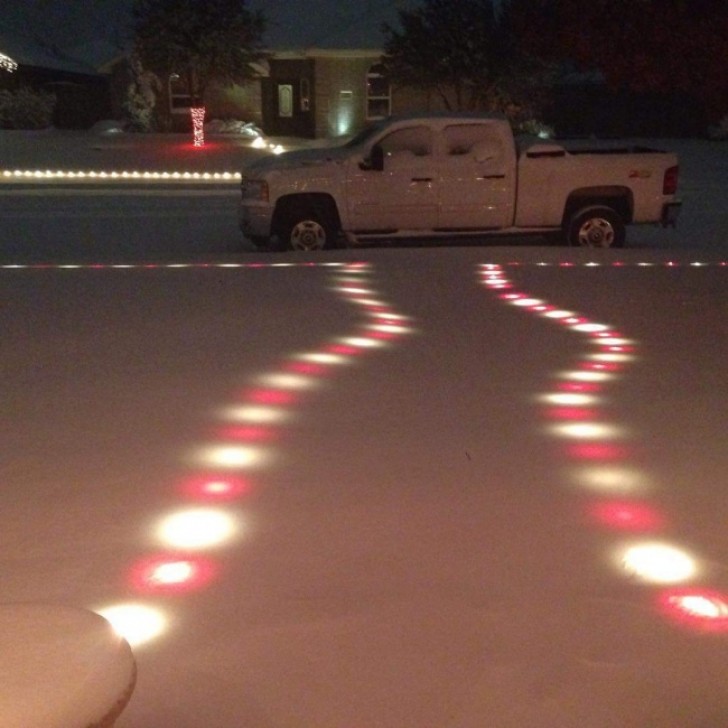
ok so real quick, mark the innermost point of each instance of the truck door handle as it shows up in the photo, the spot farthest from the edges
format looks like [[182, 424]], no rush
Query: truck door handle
[[492, 176], [422, 179]]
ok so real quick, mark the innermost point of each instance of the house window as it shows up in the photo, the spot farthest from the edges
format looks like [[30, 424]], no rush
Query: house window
[[285, 100], [180, 98], [379, 92]]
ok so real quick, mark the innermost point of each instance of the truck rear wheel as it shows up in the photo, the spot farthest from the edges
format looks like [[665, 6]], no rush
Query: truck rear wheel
[[596, 227]]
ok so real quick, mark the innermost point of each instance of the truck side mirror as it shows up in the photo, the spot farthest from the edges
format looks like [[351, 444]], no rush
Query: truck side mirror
[[375, 160]]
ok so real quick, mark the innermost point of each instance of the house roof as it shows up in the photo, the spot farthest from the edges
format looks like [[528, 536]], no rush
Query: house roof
[[27, 52]]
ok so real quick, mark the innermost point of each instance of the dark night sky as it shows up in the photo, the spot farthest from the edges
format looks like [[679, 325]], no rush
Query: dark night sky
[[79, 24]]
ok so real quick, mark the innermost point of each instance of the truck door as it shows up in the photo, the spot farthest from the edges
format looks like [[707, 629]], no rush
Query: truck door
[[477, 178], [401, 196]]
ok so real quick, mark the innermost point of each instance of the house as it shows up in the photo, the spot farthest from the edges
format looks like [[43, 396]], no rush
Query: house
[[322, 78]]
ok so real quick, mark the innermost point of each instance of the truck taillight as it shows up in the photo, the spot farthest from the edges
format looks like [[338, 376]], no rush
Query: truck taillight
[[669, 182]]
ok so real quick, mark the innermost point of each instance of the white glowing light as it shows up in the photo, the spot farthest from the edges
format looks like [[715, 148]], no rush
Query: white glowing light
[[287, 381], [323, 358], [586, 430], [390, 328], [175, 572], [255, 414], [569, 399], [658, 563], [582, 376], [558, 314], [90, 176], [590, 328], [353, 289], [701, 606], [136, 623], [277, 149], [611, 479], [390, 316], [526, 302], [613, 341], [362, 342], [197, 529], [231, 456], [611, 357]]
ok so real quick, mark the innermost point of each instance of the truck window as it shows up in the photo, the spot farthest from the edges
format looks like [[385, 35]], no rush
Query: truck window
[[414, 139], [478, 140]]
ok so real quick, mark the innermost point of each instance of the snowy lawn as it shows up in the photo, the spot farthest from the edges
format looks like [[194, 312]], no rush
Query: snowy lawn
[[408, 488]]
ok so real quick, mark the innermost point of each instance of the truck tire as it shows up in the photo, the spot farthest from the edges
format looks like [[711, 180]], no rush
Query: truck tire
[[596, 227], [307, 230]]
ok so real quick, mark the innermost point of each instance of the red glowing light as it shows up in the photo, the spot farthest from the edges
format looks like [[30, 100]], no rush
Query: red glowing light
[[343, 349], [590, 387], [250, 433], [597, 452], [215, 488], [171, 574], [271, 396], [198, 126], [305, 367], [704, 610], [627, 516], [571, 413]]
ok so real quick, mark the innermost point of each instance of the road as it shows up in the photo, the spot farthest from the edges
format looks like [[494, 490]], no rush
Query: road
[[102, 222], [129, 222], [350, 491]]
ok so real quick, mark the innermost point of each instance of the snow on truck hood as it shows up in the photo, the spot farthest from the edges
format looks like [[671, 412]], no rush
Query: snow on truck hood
[[298, 158]]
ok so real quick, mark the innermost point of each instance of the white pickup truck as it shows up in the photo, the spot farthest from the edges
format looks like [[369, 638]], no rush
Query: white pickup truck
[[447, 175]]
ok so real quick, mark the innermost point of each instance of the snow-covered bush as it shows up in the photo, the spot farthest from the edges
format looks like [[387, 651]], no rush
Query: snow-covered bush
[[233, 126], [107, 127], [720, 131], [26, 108], [141, 97]]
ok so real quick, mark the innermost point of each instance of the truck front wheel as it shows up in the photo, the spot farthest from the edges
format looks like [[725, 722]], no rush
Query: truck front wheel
[[596, 227], [304, 230]]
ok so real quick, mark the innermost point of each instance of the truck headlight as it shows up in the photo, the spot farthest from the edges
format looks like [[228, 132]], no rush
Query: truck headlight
[[254, 189]]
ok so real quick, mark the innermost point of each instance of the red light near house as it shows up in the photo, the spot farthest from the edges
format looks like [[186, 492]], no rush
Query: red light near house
[[704, 610], [170, 574], [215, 488], [198, 126], [627, 516]]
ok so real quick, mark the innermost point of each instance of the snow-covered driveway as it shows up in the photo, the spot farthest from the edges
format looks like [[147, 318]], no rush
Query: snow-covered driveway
[[396, 488]]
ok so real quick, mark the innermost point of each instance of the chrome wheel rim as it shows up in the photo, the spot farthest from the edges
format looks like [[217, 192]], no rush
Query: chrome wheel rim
[[597, 232], [308, 235]]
